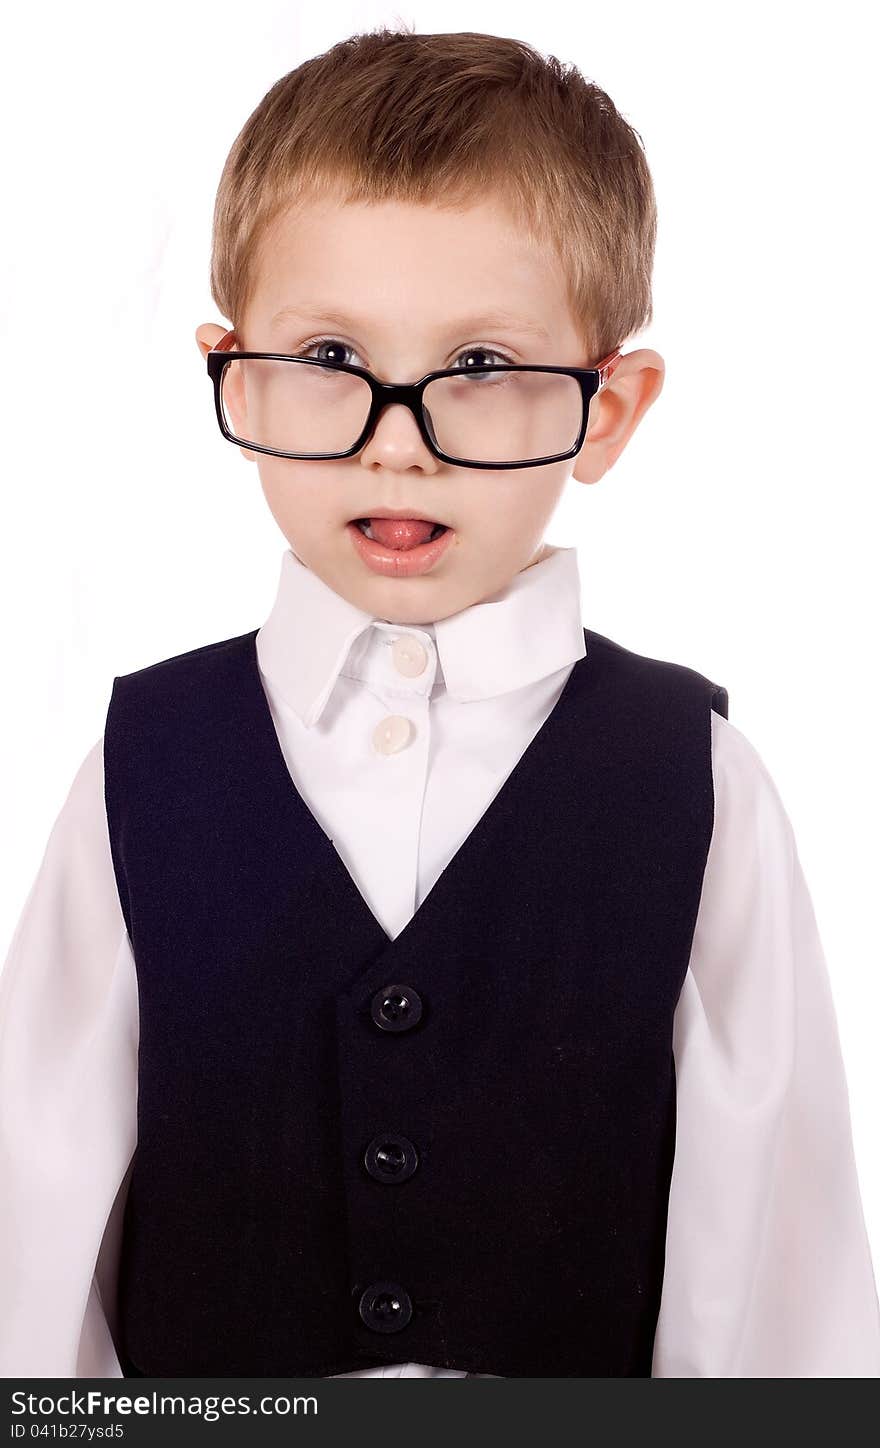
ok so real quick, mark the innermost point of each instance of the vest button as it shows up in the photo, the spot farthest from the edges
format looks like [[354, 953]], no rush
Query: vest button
[[385, 1307], [391, 1158], [396, 1008]]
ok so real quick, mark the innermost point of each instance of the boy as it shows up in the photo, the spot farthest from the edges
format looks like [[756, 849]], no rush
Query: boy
[[422, 984]]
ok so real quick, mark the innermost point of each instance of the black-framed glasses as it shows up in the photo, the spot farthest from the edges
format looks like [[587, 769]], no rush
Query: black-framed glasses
[[507, 416]]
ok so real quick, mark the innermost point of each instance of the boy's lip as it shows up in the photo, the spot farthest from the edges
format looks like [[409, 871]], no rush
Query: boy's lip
[[396, 563], [401, 513]]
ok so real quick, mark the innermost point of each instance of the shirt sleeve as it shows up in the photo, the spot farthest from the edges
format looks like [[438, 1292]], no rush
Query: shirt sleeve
[[768, 1265], [68, 1097]]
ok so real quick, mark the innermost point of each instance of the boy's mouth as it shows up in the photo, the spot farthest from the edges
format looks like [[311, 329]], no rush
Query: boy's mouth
[[400, 547], [400, 533]]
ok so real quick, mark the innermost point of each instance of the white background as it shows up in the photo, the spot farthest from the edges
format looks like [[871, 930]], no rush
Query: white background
[[737, 532]]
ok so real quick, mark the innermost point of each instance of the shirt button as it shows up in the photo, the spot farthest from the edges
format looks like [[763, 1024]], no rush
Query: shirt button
[[385, 1307], [392, 734], [410, 656]]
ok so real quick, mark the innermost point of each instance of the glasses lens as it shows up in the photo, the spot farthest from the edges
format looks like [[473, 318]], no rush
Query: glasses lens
[[292, 406], [488, 415], [495, 416]]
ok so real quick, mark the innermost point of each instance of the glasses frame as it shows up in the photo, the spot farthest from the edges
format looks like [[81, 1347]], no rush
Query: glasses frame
[[590, 379]]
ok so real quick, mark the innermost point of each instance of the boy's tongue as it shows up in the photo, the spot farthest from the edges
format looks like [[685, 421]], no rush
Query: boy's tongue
[[403, 533]]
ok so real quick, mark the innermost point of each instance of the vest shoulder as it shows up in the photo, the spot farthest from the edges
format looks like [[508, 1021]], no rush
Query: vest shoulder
[[180, 667], [648, 672], [178, 693]]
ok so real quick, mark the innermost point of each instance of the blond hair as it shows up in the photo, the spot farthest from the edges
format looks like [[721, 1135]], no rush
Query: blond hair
[[449, 120]]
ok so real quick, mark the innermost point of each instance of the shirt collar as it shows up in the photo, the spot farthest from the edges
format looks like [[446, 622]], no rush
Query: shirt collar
[[530, 628]]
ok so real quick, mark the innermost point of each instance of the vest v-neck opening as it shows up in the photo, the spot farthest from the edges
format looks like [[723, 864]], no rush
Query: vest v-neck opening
[[515, 779]]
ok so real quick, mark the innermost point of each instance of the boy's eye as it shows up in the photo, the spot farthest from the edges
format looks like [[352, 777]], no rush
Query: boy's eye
[[332, 349], [334, 346], [496, 358]]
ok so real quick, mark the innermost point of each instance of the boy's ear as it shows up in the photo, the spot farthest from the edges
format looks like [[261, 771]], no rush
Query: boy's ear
[[208, 335], [616, 411]]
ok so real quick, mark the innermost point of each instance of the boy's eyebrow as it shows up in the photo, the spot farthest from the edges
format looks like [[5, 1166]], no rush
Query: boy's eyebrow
[[496, 318]]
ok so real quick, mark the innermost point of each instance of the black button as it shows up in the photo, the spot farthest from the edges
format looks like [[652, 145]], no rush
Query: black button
[[391, 1158], [396, 1007], [385, 1307]]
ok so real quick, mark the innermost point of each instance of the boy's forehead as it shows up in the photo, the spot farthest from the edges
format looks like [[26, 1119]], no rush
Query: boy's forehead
[[341, 261], [395, 219]]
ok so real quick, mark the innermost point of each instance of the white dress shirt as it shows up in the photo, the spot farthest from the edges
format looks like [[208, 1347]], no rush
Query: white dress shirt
[[398, 738]]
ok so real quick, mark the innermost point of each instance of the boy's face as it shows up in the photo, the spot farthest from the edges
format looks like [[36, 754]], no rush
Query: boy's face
[[401, 290]]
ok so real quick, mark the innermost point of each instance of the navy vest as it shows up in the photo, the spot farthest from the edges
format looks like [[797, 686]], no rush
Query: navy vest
[[453, 1148]]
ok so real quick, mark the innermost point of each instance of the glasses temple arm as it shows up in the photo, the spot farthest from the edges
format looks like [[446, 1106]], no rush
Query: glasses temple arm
[[606, 367]]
